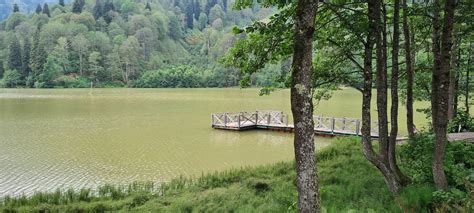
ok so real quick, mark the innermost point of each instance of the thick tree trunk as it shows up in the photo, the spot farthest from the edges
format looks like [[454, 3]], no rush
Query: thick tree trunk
[[440, 85], [302, 107], [409, 70]]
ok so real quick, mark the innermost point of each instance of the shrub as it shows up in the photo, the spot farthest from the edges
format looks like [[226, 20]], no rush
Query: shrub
[[462, 122]]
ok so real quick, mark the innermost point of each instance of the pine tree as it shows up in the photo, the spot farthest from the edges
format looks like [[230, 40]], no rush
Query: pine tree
[[108, 7], [16, 8], [189, 16], [46, 10], [61, 2], [148, 7], [98, 9], [224, 5], [2, 70], [37, 55], [210, 4], [25, 70], [197, 9], [14, 56], [39, 9], [77, 6]]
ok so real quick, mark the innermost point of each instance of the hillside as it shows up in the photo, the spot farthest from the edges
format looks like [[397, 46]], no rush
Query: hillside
[[124, 43]]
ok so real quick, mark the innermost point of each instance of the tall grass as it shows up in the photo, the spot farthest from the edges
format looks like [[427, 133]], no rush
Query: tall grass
[[348, 183]]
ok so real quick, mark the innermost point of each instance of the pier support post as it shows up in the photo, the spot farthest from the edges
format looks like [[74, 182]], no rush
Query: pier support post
[[225, 119], [333, 123]]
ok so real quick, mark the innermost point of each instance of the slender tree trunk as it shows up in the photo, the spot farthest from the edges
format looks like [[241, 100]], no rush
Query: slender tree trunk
[[394, 92], [381, 83], [452, 83], [409, 70], [374, 36], [80, 63], [440, 85], [302, 107], [467, 78]]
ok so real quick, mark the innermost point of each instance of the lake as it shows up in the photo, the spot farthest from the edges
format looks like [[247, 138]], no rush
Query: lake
[[85, 138]]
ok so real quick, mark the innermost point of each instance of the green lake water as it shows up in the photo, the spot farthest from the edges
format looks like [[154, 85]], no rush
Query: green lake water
[[84, 138]]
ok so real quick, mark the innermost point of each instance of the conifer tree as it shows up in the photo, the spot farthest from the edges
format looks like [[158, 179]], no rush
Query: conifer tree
[[37, 55], [98, 10], [189, 16], [16, 8], [39, 9], [77, 6], [61, 2], [197, 9], [148, 7], [108, 7], [14, 56], [46, 10], [2, 70], [25, 70]]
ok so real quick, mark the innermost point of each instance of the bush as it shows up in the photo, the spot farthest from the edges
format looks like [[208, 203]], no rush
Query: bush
[[462, 122], [416, 160], [180, 76]]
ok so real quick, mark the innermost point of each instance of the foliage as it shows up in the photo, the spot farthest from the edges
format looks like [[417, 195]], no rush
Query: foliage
[[462, 122], [181, 76], [126, 39], [11, 78], [416, 159]]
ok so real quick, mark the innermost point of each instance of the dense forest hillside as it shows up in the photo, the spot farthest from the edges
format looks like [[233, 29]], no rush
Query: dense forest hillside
[[135, 43], [27, 6]]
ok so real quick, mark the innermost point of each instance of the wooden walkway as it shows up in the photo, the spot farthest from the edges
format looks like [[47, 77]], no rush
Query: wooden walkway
[[275, 120]]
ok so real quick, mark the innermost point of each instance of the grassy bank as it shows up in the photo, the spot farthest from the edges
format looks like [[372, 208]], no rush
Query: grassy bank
[[348, 182]]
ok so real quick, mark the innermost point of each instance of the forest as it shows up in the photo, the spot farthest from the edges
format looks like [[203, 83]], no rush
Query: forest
[[123, 43], [395, 53]]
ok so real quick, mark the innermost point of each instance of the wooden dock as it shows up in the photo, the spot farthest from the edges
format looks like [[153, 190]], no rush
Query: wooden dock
[[276, 120]]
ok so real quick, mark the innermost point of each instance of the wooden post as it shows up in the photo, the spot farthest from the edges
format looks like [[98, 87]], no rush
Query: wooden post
[[357, 131], [333, 123], [269, 118], [286, 120], [212, 118], [238, 120], [225, 119], [344, 123], [256, 117]]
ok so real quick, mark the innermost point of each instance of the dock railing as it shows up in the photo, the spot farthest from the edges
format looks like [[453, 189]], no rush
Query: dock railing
[[278, 119]]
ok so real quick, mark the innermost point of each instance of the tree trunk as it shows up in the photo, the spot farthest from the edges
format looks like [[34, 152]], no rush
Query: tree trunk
[[302, 107], [80, 63], [452, 83], [394, 92], [409, 70], [381, 82], [467, 79], [442, 44], [374, 36]]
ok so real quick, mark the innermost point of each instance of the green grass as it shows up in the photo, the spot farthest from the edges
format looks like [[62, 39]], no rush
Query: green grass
[[348, 183]]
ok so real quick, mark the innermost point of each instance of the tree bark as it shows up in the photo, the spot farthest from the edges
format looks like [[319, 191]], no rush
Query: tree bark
[[374, 37], [409, 70], [442, 44], [302, 107], [394, 92], [452, 83], [466, 95], [381, 82]]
